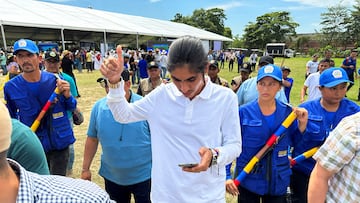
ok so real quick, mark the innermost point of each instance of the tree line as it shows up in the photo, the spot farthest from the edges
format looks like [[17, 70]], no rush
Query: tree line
[[339, 27]]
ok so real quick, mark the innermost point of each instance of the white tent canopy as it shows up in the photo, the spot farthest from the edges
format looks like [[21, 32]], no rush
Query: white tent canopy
[[29, 13]]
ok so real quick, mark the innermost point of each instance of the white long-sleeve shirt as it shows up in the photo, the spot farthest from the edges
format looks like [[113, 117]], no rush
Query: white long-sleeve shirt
[[179, 127]]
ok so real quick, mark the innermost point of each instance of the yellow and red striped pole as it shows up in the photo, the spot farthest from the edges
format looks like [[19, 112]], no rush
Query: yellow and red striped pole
[[304, 156], [37, 121], [269, 143]]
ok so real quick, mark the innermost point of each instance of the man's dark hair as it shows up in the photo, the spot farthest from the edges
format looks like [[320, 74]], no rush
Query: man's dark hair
[[325, 61], [125, 75]]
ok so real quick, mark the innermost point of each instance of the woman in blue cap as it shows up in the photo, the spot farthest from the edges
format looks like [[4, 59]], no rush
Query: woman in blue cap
[[324, 115], [269, 179]]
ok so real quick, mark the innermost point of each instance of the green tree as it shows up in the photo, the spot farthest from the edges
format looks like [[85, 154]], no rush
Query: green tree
[[211, 20], [334, 25], [354, 24], [179, 18], [302, 42], [227, 33], [270, 27], [238, 42]]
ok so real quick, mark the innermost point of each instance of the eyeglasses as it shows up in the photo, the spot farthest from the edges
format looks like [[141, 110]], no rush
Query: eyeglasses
[[103, 83]]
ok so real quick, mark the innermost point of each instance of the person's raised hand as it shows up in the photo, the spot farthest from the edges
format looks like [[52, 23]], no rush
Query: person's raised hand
[[113, 67]]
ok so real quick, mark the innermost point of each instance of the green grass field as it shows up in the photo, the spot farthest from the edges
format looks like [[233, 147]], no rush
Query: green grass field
[[91, 91], [297, 66]]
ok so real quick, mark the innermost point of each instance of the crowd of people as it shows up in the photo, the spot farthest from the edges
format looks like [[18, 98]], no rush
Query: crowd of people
[[171, 128]]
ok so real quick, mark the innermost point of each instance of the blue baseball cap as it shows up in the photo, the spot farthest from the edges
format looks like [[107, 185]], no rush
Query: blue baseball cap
[[25, 45], [332, 77], [270, 70]]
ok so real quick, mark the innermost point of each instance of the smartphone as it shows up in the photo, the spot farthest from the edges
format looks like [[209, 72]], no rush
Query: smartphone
[[188, 165]]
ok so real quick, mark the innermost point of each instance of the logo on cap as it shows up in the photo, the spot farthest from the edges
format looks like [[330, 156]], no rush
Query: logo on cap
[[22, 43], [268, 69], [52, 54], [337, 74]]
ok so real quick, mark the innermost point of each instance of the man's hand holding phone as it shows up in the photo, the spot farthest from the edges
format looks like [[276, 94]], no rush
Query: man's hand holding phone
[[203, 165]]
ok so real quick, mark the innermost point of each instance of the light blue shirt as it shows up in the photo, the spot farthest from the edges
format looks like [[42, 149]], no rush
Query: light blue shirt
[[126, 148], [248, 92], [3, 60]]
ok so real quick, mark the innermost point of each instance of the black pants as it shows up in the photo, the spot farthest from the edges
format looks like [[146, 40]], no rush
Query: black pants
[[57, 161], [231, 65], [299, 183], [239, 66], [246, 196], [351, 78], [122, 193]]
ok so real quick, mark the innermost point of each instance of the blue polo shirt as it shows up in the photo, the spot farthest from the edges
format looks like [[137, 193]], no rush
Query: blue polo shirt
[[348, 61], [126, 148]]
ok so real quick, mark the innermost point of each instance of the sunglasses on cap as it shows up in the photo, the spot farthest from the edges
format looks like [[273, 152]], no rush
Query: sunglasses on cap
[[103, 82]]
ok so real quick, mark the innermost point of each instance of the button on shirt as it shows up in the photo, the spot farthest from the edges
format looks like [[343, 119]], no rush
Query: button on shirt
[[179, 127], [36, 188]]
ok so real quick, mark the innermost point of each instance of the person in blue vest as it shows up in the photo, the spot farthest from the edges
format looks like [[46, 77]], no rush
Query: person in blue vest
[[26, 95], [126, 155], [287, 82], [52, 64], [324, 115], [349, 65], [259, 119], [240, 59]]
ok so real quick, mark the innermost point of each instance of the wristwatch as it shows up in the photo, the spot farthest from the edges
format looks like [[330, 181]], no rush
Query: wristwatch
[[215, 154], [114, 86]]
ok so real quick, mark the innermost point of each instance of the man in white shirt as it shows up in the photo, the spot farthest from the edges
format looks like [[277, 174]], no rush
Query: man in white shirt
[[312, 65], [253, 60], [192, 120], [312, 82]]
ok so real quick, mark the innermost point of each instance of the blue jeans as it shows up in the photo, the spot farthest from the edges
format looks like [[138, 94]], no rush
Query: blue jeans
[[135, 78], [163, 72], [122, 193], [71, 157]]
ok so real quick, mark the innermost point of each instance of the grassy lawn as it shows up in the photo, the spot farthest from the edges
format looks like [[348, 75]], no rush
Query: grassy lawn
[[297, 66], [91, 91]]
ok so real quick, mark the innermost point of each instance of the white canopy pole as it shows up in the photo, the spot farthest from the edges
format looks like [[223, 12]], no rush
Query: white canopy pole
[[137, 41], [3, 36], [105, 43], [62, 38]]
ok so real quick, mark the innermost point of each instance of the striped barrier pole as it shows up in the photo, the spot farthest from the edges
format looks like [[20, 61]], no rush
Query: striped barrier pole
[[46, 107], [304, 156], [269, 143]]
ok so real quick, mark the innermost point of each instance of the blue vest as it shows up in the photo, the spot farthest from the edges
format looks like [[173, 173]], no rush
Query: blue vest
[[318, 129], [271, 175], [54, 132]]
